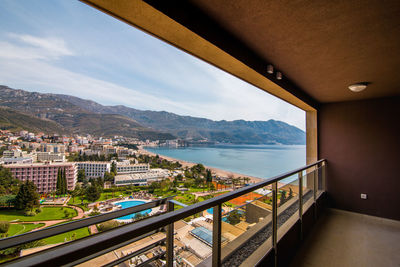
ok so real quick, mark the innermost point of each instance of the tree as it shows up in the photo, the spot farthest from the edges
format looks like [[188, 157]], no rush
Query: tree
[[7, 200], [212, 187], [283, 198], [290, 193], [58, 184], [179, 177], [114, 168], [92, 193], [81, 176], [4, 226], [233, 217], [208, 176], [8, 184], [27, 197], [75, 192], [109, 176]]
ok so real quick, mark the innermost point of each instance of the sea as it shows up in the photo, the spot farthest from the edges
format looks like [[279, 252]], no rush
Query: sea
[[263, 161]]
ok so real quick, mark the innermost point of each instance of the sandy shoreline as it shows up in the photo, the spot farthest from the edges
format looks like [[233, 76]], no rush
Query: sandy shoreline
[[219, 172]]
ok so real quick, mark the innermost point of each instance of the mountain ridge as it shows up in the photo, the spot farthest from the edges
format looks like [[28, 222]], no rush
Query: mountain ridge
[[72, 109]]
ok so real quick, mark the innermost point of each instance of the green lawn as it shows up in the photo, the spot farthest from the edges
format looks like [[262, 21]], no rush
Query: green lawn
[[17, 229], [47, 214], [69, 236], [103, 196]]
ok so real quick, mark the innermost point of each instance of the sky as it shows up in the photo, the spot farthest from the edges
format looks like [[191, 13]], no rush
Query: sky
[[67, 47]]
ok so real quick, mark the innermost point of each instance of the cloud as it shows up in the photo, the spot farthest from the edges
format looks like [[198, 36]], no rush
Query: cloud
[[158, 77], [31, 47]]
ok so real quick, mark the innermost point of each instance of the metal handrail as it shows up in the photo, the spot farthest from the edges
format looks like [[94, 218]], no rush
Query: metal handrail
[[70, 252], [66, 227]]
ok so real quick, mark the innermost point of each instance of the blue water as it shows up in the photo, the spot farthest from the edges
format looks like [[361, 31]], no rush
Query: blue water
[[210, 211], [132, 203], [264, 161]]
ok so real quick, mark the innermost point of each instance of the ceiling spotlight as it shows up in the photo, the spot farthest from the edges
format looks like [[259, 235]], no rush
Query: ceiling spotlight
[[279, 75], [358, 87], [270, 69]]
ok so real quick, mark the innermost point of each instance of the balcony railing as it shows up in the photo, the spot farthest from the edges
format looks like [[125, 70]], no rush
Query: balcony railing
[[277, 213]]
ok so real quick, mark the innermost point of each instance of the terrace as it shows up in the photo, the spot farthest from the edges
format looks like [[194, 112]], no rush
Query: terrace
[[352, 143]]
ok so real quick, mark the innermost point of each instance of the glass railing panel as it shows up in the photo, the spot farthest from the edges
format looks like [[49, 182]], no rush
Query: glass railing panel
[[193, 239], [308, 188], [288, 203], [246, 225], [320, 180]]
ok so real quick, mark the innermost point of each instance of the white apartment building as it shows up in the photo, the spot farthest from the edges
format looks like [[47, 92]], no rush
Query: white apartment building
[[94, 169], [123, 168], [143, 178], [55, 148], [49, 156], [17, 160], [13, 153]]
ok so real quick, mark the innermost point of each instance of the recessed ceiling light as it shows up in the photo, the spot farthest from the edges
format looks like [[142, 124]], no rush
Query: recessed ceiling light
[[270, 69], [279, 75], [358, 87]]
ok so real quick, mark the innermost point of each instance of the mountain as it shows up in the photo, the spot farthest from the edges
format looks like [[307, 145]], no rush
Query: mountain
[[85, 116], [16, 121], [68, 118], [195, 129]]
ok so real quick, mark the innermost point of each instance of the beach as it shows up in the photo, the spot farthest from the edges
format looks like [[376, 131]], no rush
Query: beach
[[219, 172]]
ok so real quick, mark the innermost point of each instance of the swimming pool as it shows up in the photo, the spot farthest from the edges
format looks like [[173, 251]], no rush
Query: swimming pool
[[131, 203], [210, 211]]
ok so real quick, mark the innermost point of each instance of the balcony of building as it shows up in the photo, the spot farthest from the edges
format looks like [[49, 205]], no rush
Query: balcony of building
[[344, 205]]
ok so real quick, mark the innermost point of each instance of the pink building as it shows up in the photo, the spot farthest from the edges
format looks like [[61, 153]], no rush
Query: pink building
[[44, 175]]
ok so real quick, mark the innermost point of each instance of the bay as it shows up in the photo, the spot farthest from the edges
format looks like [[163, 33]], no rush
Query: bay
[[263, 161]]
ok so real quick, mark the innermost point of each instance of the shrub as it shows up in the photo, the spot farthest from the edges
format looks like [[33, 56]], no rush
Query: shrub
[[29, 213], [38, 210], [66, 213], [4, 226], [94, 213], [108, 225]]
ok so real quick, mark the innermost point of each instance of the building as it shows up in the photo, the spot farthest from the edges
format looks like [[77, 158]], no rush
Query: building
[[142, 178], [94, 169], [50, 147], [44, 175], [13, 153], [17, 160], [132, 168], [50, 156]]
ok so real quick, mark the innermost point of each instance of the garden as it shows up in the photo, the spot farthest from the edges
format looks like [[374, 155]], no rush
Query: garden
[[45, 214]]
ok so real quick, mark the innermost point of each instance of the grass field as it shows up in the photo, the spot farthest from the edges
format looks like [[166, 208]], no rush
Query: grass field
[[47, 214], [103, 196], [69, 236], [17, 229]]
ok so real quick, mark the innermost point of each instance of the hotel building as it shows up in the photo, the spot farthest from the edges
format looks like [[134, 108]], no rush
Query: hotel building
[[132, 168], [50, 156], [94, 169], [44, 175]]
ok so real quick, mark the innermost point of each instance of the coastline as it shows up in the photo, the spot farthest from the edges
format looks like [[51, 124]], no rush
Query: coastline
[[219, 172]]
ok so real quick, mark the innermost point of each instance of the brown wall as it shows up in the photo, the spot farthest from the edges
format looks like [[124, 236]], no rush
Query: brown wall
[[361, 141]]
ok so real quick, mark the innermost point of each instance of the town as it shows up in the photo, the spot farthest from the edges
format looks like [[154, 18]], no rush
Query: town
[[50, 179]]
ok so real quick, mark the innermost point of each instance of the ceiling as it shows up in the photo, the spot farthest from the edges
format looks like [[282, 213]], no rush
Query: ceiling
[[320, 46]]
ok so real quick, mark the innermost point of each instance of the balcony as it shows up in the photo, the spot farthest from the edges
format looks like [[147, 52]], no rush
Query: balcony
[[257, 235]]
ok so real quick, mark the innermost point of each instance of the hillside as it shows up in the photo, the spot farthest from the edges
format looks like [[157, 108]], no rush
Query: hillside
[[15, 121], [70, 117], [192, 128], [88, 117]]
